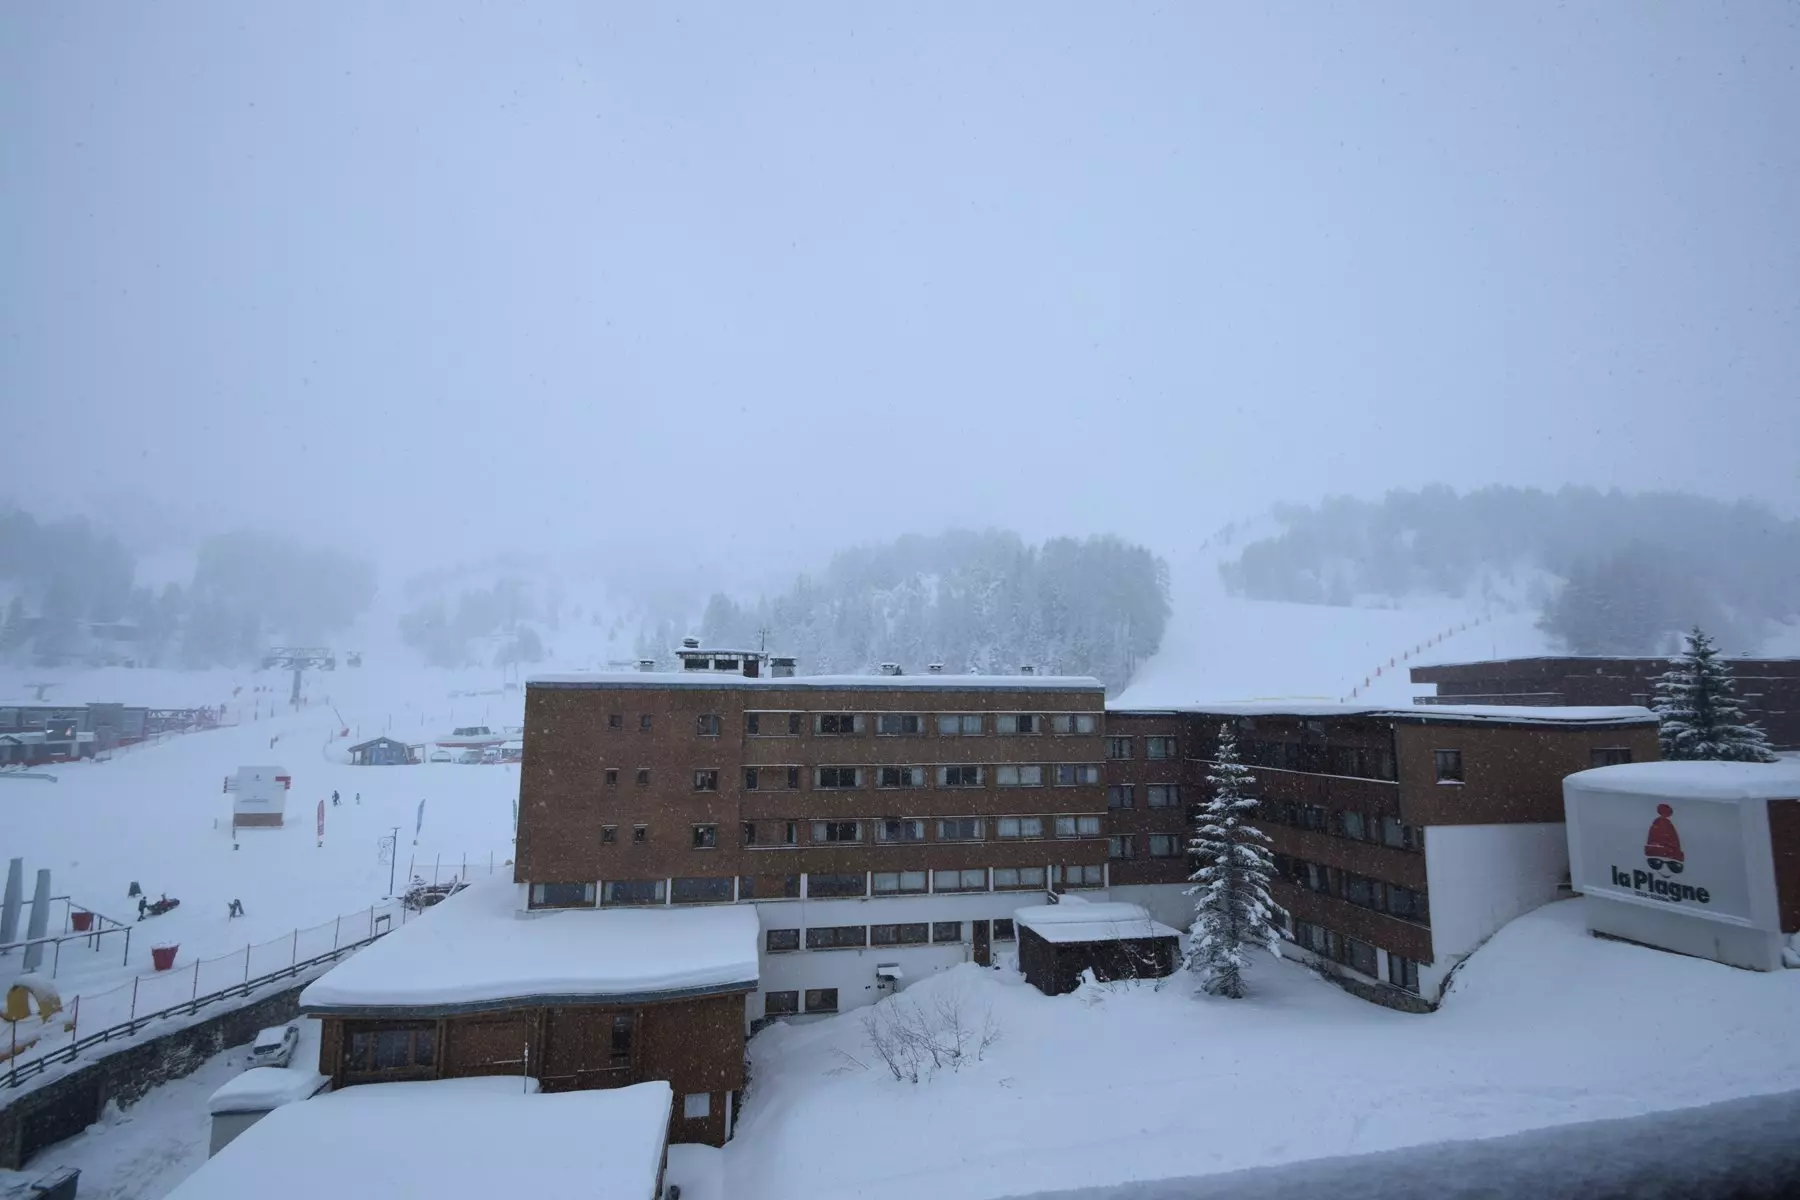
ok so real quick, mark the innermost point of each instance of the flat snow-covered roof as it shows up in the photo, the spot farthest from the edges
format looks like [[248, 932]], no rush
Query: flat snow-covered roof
[[1074, 920], [1499, 714], [882, 683], [475, 951], [451, 1137], [1696, 780], [262, 1088]]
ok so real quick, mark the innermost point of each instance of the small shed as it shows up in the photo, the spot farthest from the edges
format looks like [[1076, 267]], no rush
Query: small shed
[[382, 752], [1057, 942], [258, 796]]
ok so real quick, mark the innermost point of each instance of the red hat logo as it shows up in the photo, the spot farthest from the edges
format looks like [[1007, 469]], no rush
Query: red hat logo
[[1663, 847]]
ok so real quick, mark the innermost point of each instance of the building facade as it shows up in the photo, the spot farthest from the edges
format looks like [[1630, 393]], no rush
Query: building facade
[[884, 827], [1403, 839], [1769, 687]]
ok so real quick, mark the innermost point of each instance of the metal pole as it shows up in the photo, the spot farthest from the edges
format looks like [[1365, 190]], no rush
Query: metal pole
[[335, 927], [134, 985], [74, 1019], [196, 993], [246, 962], [127, 961], [56, 958], [436, 863], [295, 956], [393, 860]]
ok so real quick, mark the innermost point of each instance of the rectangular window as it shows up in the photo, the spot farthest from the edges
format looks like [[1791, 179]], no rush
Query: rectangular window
[[615, 720], [899, 724], [1008, 878], [396, 1049], [1355, 826], [793, 779], [1074, 723], [1118, 747], [643, 776], [1407, 904], [707, 725], [1019, 827], [900, 777], [1003, 929], [1403, 973], [900, 831], [562, 895], [781, 1004], [1073, 774], [746, 887], [959, 724], [1165, 845], [1020, 776], [1449, 765], [1017, 723], [1122, 845], [779, 941], [838, 777], [1120, 795], [749, 779], [837, 937], [838, 724], [824, 886], [1164, 795], [896, 883], [644, 723], [706, 781], [640, 834], [913, 933], [973, 880], [959, 829], [633, 891], [960, 776], [753, 724], [1074, 877], [1359, 956], [609, 834], [946, 931], [1159, 747], [821, 1000], [706, 837], [1609, 756], [612, 777], [1359, 890], [701, 891], [837, 831], [696, 1106], [1068, 827]]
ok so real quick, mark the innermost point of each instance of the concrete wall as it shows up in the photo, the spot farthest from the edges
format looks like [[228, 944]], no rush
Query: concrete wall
[[1756, 949], [37, 1117], [1165, 902], [1481, 877]]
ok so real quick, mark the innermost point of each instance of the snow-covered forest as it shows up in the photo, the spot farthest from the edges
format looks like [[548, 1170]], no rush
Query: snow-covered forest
[[1627, 571], [985, 602]]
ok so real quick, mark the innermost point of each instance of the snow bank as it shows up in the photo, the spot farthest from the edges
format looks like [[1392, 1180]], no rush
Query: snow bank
[[1695, 780], [1736, 1148], [1088, 922], [885, 683], [475, 949], [262, 1088], [462, 1137]]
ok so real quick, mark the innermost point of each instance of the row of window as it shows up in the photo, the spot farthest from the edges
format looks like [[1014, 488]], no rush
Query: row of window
[[1409, 904], [1359, 956], [1362, 827], [1162, 845], [886, 724], [1157, 795], [1119, 747], [858, 937], [410, 1047], [784, 1004], [846, 778], [1357, 762], [724, 889], [782, 834]]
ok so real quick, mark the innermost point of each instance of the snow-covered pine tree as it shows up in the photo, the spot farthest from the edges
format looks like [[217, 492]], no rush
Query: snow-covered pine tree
[[1702, 718], [1233, 913]]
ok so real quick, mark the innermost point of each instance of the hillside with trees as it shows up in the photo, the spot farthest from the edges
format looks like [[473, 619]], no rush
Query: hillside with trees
[[1628, 572], [985, 602]]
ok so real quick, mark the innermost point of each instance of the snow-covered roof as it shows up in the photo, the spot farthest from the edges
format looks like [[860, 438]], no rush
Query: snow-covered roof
[[1076, 920], [475, 951], [883, 683], [451, 1137], [1695, 780], [1499, 714], [263, 1088]]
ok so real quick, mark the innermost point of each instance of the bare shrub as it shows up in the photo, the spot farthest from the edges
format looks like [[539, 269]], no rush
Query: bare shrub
[[915, 1042]]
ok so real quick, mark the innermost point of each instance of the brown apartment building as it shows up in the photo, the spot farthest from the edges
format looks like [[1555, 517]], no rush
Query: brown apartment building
[[882, 826], [1403, 838], [1769, 687]]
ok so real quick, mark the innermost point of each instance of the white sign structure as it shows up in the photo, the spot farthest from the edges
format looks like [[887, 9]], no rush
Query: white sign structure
[[1686, 853], [258, 795]]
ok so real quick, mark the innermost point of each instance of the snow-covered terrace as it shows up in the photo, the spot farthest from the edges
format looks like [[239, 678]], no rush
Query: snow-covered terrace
[[1499, 714], [880, 683], [476, 952]]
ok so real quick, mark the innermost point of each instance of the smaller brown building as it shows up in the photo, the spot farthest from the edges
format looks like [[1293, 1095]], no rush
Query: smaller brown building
[[575, 1000], [1057, 942]]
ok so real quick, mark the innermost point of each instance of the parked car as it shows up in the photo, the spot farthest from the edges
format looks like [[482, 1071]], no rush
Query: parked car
[[469, 756], [274, 1046], [442, 756]]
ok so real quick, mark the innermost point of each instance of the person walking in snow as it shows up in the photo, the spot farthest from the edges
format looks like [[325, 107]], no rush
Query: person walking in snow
[[334, 799], [359, 797], [143, 903]]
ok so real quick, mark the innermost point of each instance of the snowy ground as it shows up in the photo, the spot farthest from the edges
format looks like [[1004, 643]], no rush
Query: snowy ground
[[142, 1152], [1546, 1025]]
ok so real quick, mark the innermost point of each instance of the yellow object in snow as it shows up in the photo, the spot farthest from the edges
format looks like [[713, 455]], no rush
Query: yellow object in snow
[[19, 999]]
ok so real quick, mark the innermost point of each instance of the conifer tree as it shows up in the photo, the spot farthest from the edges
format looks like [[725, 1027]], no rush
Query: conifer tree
[[1702, 718], [1233, 913]]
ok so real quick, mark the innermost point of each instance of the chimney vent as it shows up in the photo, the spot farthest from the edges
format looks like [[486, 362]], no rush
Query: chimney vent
[[890, 668], [1028, 670], [690, 643], [936, 668], [781, 668], [646, 664]]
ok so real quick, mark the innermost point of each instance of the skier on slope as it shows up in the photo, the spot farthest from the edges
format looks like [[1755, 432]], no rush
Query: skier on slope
[[334, 799]]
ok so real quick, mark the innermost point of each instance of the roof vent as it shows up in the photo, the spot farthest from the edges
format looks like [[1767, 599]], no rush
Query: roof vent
[[646, 664], [690, 643], [1028, 670], [781, 668], [891, 669]]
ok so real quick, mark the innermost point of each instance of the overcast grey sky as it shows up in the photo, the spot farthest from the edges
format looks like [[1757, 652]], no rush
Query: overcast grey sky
[[758, 278]]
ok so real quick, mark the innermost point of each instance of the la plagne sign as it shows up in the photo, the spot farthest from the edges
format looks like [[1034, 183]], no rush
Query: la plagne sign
[[1684, 853]]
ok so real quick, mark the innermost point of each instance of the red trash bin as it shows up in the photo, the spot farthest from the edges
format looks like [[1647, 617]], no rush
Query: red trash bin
[[163, 957], [81, 922]]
